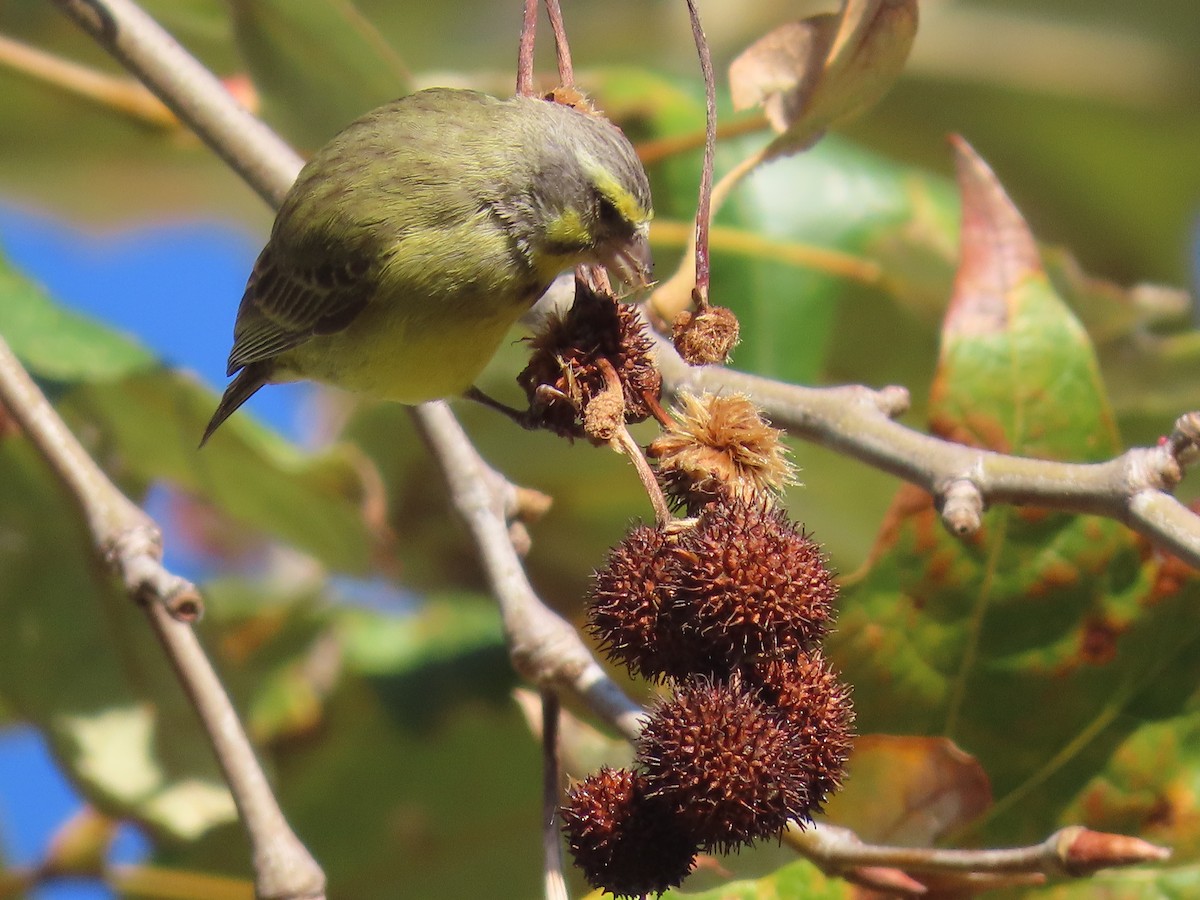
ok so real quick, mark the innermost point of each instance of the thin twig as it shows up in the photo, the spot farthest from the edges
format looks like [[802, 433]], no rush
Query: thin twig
[[751, 245], [555, 883], [525, 49], [124, 95], [675, 293], [130, 542], [562, 50], [1071, 852], [623, 441], [703, 208], [654, 150]]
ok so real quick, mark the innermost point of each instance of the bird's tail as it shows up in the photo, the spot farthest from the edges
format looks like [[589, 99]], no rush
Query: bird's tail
[[249, 380]]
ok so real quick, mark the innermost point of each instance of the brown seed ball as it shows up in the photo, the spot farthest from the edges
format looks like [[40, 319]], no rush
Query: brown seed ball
[[581, 355], [626, 603], [626, 843], [806, 692], [733, 771], [751, 584]]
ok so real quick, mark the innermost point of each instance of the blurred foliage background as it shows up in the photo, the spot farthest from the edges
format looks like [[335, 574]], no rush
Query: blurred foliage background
[[346, 609]]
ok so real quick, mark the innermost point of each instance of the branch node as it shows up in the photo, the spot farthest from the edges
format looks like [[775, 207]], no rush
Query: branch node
[[528, 504], [1185, 440], [135, 554], [962, 507], [893, 400], [522, 541], [1154, 468]]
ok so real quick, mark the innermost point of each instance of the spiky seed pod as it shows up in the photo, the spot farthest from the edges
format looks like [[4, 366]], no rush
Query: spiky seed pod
[[750, 583], [626, 602], [733, 771], [706, 337], [626, 843], [720, 445], [577, 357], [807, 693]]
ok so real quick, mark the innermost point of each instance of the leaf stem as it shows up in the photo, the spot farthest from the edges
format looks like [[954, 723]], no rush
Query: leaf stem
[[703, 207]]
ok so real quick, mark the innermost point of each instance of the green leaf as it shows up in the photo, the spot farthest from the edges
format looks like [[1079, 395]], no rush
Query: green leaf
[[1158, 883], [1053, 627], [414, 729], [146, 428], [318, 65], [84, 668], [58, 344]]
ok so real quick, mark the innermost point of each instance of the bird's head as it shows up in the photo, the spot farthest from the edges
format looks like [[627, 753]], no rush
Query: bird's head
[[594, 198]]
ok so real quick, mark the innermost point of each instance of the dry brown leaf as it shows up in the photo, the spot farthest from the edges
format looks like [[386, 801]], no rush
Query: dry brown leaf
[[813, 72]]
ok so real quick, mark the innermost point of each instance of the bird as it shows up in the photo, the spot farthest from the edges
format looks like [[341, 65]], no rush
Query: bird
[[414, 239]]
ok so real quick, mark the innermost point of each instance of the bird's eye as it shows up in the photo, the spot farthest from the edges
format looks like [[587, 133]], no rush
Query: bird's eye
[[610, 216]]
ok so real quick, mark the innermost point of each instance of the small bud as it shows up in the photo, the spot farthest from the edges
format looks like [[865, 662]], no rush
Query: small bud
[[720, 446], [1084, 851], [626, 843], [705, 337]]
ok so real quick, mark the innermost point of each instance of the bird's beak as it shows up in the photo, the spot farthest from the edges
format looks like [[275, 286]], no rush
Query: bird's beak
[[631, 260]]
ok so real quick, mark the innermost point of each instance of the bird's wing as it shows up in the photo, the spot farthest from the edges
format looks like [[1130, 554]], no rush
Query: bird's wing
[[286, 304]]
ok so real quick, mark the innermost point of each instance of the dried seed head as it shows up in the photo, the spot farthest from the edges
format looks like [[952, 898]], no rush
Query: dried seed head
[[626, 843], [598, 344], [707, 336], [720, 445], [733, 771], [807, 693], [626, 603], [750, 584]]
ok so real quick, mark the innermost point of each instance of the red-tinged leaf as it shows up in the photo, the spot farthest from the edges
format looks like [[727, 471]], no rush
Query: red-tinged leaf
[[997, 254], [1011, 350], [1047, 639], [909, 791]]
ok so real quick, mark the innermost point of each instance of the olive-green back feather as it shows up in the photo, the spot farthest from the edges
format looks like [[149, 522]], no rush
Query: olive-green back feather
[[438, 206]]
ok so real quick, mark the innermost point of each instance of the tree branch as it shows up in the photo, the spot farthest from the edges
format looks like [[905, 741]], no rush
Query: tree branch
[[857, 421], [192, 92], [130, 542], [554, 883], [1072, 852], [544, 647]]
